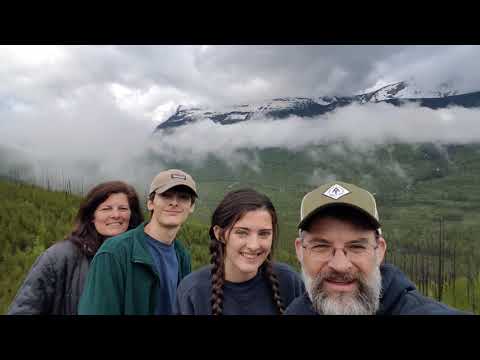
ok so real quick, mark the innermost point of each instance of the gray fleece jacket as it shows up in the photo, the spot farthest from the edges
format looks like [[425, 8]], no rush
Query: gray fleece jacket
[[54, 284]]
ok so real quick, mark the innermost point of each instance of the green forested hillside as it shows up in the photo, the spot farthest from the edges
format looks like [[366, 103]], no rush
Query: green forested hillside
[[428, 199], [415, 185], [31, 219]]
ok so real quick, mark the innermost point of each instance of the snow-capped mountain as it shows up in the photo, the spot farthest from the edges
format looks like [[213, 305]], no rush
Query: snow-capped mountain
[[276, 108], [396, 94], [408, 90]]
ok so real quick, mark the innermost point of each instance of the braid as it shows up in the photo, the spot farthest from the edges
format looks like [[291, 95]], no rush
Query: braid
[[217, 274], [274, 283]]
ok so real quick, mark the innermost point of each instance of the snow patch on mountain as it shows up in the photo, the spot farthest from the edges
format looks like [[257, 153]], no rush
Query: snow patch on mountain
[[410, 90], [303, 106]]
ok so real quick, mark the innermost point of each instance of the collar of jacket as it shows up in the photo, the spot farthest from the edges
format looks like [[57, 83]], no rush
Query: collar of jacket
[[140, 250], [395, 285]]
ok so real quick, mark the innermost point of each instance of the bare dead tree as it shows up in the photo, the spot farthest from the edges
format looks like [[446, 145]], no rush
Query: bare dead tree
[[454, 271], [422, 273], [474, 277], [440, 262], [469, 280]]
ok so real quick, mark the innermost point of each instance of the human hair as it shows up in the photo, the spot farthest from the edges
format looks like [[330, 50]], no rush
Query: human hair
[[344, 213], [231, 209], [179, 188], [84, 233]]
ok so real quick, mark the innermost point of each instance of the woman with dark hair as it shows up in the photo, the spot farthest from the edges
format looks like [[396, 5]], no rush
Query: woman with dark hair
[[55, 282], [242, 278]]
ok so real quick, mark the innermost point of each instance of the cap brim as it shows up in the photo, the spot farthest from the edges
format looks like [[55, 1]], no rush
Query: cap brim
[[174, 184], [306, 220]]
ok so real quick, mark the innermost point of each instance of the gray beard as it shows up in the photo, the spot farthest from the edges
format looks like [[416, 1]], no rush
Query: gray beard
[[364, 301]]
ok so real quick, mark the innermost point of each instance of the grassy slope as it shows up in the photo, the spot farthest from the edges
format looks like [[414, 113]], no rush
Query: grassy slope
[[31, 219]]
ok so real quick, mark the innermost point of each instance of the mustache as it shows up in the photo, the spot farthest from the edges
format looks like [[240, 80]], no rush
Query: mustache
[[336, 276]]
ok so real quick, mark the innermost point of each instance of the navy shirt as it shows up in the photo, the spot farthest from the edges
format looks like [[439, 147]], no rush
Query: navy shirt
[[399, 297], [252, 297], [166, 263]]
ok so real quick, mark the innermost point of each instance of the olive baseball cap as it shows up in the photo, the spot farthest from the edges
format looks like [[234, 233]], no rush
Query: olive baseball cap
[[338, 193], [168, 179]]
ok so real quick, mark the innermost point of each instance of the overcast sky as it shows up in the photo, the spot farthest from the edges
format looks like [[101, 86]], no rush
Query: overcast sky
[[99, 104], [149, 82]]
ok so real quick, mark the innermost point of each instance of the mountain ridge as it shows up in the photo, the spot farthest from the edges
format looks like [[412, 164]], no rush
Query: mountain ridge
[[396, 94]]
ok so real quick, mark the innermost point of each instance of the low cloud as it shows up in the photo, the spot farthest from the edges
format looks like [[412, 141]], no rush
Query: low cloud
[[359, 126], [90, 141], [86, 139]]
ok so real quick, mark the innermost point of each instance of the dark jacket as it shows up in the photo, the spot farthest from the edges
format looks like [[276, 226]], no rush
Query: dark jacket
[[399, 297], [123, 278], [54, 284]]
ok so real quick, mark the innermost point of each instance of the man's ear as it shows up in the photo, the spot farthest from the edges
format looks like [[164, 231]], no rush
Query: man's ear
[[299, 249], [382, 249], [149, 205], [192, 208]]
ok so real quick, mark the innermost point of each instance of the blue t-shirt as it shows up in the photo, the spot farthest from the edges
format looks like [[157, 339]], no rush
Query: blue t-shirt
[[166, 263], [252, 297]]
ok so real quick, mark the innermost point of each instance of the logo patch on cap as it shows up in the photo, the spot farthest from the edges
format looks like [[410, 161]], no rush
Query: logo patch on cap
[[178, 176], [336, 192]]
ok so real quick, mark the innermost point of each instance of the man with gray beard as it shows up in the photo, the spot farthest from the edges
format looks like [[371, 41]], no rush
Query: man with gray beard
[[341, 250]]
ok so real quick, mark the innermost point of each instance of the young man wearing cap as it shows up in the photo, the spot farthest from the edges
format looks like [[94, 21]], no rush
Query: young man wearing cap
[[137, 272], [341, 250]]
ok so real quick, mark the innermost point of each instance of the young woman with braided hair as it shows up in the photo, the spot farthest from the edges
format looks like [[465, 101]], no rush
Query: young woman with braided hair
[[242, 278]]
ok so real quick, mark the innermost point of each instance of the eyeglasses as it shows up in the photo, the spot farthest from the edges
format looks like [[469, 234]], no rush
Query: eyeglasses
[[353, 252]]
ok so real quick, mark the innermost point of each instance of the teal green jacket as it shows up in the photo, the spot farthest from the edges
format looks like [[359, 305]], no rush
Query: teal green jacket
[[123, 279]]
